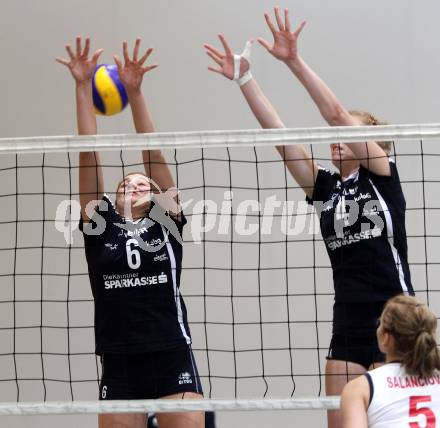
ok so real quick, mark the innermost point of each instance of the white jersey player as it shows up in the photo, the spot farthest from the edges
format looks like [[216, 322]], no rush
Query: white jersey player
[[399, 399], [405, 392]]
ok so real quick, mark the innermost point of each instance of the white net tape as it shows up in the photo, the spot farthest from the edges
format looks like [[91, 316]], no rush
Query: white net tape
[[205, 139], [157, 406]]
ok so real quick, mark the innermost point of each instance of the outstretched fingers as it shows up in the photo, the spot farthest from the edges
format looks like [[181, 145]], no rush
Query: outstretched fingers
[[80, 53], [279, 19], [225, 44], [96, 55], [78, 46], [287, 20], [86, 50], [282, 26], [150, 67], [265, 44], [300, 28], [270, 23], [118, 62], [215, 57], [135, 57], [215, 70], [136, 49], [62, 61], [125, 51], [70, 52], [145, 56], [213, 50]]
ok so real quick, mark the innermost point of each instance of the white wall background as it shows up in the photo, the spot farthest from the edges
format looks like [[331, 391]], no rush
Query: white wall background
[[378, 56]]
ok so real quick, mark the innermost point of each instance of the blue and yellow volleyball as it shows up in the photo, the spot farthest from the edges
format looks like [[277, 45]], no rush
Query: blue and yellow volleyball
[[109, 95]]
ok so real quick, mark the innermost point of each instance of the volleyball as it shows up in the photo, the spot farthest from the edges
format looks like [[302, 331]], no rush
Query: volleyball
[[109, 95]]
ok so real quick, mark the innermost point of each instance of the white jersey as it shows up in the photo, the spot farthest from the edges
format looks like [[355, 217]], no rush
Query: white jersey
[[399, 400]]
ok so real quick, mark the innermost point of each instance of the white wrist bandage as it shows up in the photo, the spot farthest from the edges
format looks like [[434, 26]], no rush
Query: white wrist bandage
[[246, 54]]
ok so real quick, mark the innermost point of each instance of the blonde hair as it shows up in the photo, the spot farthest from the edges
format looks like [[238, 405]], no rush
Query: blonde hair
[[370, 120], [413, 326], [128, 175]]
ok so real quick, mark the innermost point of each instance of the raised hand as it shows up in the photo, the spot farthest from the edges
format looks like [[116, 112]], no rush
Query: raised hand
[[225, 60], [285, 41], [80, 65], [132, 71]]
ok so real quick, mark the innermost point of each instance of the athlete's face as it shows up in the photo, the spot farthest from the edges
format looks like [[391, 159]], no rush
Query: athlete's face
[[133, 192], [341, 153]]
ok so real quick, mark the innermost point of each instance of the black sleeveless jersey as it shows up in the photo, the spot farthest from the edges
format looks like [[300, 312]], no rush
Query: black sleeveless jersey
[[134, 270], [362, 223]]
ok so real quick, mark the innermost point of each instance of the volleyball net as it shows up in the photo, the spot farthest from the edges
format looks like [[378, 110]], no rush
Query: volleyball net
[[256, 277]]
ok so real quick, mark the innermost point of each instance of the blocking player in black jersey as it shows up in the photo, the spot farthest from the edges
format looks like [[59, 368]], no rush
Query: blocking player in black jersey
[[361, 207], [134, 255]]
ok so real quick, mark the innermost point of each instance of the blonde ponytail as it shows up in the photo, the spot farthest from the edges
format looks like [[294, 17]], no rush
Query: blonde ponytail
[[413, 326]]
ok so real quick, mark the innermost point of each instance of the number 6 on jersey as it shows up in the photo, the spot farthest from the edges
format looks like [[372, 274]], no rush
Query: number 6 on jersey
[[133, 255]]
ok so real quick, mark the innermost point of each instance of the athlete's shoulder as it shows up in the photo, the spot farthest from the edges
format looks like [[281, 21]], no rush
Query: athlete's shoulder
[[326, 181], [102, 214], [365, 173], [357, 384], [327, 171], [357, 390]]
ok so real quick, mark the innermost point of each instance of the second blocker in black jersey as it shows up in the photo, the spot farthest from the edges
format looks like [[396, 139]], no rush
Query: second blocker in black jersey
[[362, 221]]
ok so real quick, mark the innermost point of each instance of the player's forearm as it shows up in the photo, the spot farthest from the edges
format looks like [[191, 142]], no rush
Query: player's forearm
[[153, 157], [90, 179], [85, 114], [142, 119], [261, 107], [329, 106], [157, 169]]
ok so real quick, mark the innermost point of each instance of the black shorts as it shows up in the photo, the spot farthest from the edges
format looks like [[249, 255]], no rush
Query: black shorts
[[363, 351], [354, 333], [148, 375]]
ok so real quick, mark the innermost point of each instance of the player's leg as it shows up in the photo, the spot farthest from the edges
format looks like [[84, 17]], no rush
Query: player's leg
[[122, 420], [337, 374], [184, 419], [117, 384], [179, 380], [353, 348]]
